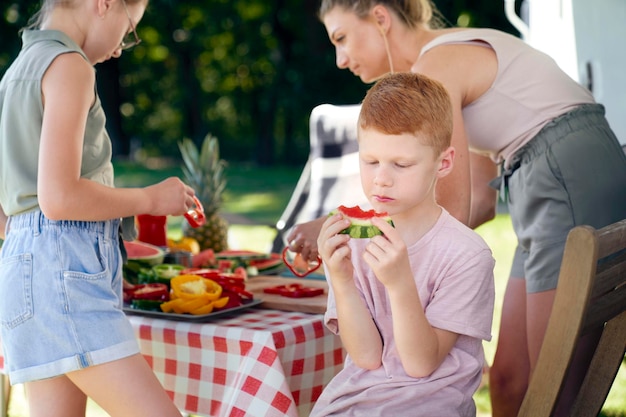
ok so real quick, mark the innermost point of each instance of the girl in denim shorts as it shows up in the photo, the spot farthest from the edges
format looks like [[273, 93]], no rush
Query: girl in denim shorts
[[64, 334]]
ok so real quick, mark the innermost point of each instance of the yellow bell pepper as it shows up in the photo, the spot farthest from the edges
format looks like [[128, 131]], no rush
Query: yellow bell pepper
[[172, 306], [206, 309], [221, 303], [188, 244], [194, 286]]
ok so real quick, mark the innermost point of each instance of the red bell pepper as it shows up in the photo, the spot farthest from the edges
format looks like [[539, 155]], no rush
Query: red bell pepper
[[196, 216], [299, 273], [294, 291], [233, 282], [151, 291]]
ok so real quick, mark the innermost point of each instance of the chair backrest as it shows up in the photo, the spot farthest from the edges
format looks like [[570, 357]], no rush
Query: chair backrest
[[591, 296], [331, 174]]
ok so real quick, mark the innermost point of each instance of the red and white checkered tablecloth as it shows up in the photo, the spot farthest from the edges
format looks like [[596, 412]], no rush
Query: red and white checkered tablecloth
[[258, 363]]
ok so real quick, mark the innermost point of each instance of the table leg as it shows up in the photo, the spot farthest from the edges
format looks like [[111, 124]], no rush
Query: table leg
[[5, 395]]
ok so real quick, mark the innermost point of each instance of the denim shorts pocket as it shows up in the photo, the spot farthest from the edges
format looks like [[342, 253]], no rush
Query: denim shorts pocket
[[86, 289], [16, 277]]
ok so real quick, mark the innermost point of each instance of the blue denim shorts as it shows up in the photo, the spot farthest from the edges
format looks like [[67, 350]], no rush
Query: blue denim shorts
[[572, 173], [61, 288]]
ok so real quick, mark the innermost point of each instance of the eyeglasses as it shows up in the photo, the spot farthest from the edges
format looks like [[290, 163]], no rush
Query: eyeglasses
[[131, 39]]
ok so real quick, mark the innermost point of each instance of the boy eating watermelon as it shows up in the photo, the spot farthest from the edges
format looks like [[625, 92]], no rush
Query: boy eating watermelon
[[413, 304]]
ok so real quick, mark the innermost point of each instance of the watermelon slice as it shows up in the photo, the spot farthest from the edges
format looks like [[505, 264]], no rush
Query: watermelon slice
[[144, 252], [361, 221], [275, 260], [241, 254], [254, 262]]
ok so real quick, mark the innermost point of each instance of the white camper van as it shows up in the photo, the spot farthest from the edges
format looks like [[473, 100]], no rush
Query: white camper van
[[588, 40]]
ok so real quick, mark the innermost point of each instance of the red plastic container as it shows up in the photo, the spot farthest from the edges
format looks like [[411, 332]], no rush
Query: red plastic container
[[152, 229]]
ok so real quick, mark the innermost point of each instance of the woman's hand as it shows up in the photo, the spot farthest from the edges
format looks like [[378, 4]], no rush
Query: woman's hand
[[303, 239]]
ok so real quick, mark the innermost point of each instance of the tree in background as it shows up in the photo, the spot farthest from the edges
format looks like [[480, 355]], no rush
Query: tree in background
[[247, 71]]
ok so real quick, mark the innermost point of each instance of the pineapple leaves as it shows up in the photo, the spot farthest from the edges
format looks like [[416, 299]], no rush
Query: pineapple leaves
[[204, 171]]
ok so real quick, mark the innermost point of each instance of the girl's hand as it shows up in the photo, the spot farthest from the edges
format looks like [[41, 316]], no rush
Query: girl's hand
[[170, 197], [334, 250], [387, 255]]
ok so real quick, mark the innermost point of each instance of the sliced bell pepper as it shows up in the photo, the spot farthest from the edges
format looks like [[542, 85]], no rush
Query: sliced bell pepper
[[294, 291], [234, 282], [152, 291], [194, 286], [234, 299], [196, 216], [185, 243], [221, 302], [203, 272], [172, 306], [299, 267], [167, 271], [205, 309]]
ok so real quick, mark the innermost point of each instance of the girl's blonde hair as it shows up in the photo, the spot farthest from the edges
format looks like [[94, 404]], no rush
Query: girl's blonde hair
[[408, 103], [47, 6], [412, 13]]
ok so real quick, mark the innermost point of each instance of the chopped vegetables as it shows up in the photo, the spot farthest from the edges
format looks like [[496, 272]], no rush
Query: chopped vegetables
[[194, 294], [294, 291]]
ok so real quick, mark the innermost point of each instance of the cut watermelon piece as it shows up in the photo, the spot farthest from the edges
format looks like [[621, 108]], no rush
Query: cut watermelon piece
[[361, 221], [144, 252], [241, 254], [262, 265]]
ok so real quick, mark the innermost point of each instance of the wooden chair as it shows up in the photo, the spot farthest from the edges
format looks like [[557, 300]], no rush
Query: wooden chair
[[5, 395], [591, 296]]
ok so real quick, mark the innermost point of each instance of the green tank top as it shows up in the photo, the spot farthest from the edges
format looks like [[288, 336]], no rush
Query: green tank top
[[21, 115]]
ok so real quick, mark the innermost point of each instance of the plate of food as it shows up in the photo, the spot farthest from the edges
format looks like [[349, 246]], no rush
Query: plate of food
[[192, 295], [245, 304]]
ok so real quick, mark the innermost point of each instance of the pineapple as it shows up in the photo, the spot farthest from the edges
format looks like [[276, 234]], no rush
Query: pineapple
[[204, 172]]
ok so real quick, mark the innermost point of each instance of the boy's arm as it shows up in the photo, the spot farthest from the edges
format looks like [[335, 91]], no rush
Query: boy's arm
[[359, 334], [422, 347]]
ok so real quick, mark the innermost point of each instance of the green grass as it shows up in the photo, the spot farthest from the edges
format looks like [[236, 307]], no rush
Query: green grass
[[260, 195]]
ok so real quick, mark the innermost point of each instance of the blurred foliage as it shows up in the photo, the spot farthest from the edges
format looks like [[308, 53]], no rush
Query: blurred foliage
[[248, 71]]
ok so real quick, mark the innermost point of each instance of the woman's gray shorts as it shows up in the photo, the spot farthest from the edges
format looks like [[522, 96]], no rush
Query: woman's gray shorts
[[61, 286], [572, 173]]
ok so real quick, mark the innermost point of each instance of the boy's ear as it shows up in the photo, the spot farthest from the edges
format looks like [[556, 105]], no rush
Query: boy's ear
[[446, 162]]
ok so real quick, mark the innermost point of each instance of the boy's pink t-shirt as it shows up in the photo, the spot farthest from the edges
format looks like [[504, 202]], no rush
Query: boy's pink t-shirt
[[453, 269]]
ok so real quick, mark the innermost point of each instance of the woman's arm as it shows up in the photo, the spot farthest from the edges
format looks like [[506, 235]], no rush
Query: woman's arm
[[484, 198], [3, 223], [467, 72]]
